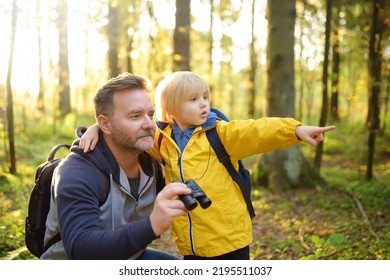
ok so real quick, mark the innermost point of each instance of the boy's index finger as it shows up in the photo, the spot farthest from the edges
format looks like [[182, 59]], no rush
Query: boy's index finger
[[328, 128]]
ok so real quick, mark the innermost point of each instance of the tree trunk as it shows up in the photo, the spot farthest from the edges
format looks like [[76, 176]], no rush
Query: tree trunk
[[10, 111], [63, 65], [211, 47], [181, 36], [253, 67], [113, 35], [386, 102], [325, 102], [153, 41], [334, 95], [41, 93], [285, 168], [301, 69], [374, 69]]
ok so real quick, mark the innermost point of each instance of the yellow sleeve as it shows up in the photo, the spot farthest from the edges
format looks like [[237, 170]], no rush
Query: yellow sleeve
[[243, 138]]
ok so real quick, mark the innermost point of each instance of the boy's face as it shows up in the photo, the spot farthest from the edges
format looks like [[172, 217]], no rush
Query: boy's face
[[194, 110]]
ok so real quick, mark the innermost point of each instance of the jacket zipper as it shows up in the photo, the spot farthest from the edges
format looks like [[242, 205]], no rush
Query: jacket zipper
[[188, 215]]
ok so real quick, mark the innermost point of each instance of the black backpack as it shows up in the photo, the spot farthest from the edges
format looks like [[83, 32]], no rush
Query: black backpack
[[39, 204], [242, 177]]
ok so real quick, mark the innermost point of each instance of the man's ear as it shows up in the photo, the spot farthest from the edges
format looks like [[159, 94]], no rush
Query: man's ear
[[104, 124]]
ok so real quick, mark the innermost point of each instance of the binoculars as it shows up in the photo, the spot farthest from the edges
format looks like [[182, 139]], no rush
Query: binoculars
[[196, 193]]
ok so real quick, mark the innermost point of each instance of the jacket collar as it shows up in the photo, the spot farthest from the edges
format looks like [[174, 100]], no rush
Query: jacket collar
[[211, 121]]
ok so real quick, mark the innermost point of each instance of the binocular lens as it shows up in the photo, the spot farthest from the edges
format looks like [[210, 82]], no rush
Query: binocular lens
[[205, 202], [188, 201]]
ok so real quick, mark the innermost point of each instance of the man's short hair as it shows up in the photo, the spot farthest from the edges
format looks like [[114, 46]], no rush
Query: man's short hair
[[103, 98]]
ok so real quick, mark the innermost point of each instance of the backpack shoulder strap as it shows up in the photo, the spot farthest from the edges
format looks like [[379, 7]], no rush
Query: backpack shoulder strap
[[162, 126], [224, 158], [160, 179]]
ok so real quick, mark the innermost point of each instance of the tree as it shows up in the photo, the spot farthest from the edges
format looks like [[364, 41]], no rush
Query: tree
[[113, 35], [325, 102], [41, 93], [378, 26], [252, 67], [63, 65], [10, 111], [286, 168], [211, 45], [181, 36], [334, 93]]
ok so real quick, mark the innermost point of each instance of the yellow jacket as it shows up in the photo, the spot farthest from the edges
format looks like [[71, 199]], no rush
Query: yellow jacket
[[226, 225]]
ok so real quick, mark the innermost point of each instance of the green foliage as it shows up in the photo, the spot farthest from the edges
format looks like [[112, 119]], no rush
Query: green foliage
[[11, 214]]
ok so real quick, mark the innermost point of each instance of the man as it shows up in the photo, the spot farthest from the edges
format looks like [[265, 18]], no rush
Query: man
[[132, 213]]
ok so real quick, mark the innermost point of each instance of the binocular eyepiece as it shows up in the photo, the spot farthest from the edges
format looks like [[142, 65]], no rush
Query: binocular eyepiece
[[196, 193]]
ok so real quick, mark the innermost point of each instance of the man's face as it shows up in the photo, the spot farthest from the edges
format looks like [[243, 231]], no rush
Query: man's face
[[131, 124]]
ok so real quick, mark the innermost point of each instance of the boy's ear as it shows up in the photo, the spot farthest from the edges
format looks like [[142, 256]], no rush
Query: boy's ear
[[104, 124]]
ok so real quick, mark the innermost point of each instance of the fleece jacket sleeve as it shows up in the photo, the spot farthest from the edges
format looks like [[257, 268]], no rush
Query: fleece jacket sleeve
[[78, 214]]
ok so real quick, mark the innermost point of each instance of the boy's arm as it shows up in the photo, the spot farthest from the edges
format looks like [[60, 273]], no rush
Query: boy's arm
[[90, 138]]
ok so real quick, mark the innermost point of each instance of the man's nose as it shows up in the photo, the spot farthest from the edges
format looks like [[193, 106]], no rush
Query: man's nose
[[148, 122]]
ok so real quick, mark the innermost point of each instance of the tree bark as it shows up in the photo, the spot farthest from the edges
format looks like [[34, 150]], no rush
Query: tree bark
[[181, 36], [334, 93], [374, 69], [63, 65], [113, 35], [285, 168], [10, 111], [41, 93], [325, 102], [252, 67]]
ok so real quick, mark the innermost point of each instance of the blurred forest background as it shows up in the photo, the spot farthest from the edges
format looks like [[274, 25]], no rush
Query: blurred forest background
[[321, 62]]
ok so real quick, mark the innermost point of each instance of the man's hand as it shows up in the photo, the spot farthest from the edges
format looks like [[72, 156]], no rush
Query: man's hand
[[167, 206], [312, 135]]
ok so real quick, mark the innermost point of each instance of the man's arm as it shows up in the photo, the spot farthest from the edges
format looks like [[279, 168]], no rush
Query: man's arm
[[78, 215]]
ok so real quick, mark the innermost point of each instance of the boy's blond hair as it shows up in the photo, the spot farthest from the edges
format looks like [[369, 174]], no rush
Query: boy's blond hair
[[173, 90]]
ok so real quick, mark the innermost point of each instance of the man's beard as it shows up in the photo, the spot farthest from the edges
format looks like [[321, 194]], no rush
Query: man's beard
[[128, 144]]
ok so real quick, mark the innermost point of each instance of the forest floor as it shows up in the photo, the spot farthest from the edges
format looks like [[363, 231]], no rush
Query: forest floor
[[321, 223]]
